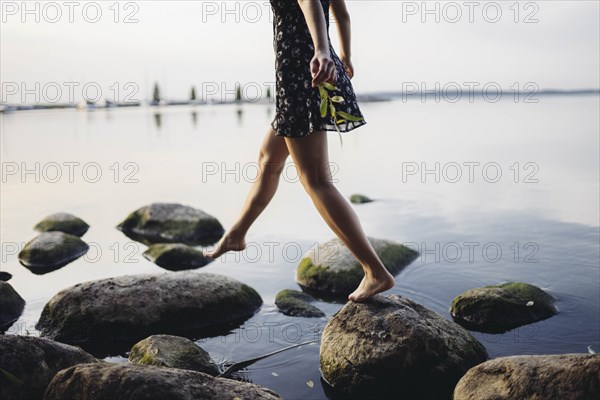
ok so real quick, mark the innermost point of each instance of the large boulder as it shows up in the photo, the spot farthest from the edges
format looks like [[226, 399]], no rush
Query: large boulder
[[176, 256], [27, 364], [132, 307], [64, 222], [296, 304], [559, 376], [50, 251], [174, 352], [118, 381], [171, 223], [390, 346], [330, 270], [11, 306], [499, 308]]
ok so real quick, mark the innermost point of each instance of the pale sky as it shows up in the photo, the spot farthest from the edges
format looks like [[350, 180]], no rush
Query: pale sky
[[185, 43]]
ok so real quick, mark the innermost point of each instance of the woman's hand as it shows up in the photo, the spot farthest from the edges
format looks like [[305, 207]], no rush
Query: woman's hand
[[322, 68], [347, 65]]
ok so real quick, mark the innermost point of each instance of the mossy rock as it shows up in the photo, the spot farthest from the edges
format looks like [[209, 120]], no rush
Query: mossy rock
[[389, 347], [11, 306], [50, 251], [63, 222], [171, 223], [128, 308], [331, 271], [296, 304], [174, 352], [110, 381], [176, 256], [28, 363], [554, 376], [359, 199], [499, 308]]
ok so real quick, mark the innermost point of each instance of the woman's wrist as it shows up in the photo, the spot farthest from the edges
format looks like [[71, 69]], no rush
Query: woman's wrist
[[323, 51]]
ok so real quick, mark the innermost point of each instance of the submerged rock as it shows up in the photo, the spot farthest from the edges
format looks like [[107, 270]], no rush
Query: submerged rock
[[176, 256], [171, 223], [133, 307], [174, 352], [27, 364], [11, 306], [331, 270], [497, 309], [63, 222], [359, 199], [297, 304], [50, 251], [390, 345], [117, 381], [558, 376], [5, 276]]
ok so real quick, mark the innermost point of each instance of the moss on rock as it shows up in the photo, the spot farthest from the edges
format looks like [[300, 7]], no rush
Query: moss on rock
[[331, 271], [176, 256], [174, 352], [499, 308], [295, 303], [51, 250], [64, 222], [171, 223], [359, 199]]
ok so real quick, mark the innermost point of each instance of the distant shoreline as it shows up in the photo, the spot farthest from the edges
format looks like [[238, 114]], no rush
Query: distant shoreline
[[364, 98]]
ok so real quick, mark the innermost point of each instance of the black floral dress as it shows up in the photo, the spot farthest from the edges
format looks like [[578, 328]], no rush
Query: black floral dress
[[297, 102]]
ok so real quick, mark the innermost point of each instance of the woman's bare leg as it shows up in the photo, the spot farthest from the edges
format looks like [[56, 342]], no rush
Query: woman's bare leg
[[310, 155], [271, 159]]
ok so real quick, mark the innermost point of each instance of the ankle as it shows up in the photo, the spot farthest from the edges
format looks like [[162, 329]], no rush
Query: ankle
[[236, 233]]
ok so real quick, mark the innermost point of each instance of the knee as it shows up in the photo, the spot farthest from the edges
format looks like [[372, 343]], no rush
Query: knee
[[269, 164], [315, 182]]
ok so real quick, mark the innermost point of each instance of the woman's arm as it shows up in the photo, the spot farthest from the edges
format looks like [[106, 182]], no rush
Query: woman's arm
[[322, 66], [340, 12]]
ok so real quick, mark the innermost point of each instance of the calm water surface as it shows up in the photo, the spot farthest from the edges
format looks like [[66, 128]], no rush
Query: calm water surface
[[513, 197]]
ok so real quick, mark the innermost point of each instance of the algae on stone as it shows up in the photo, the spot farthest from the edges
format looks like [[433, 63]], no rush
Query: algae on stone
[[295, 303], [64, 222], [331, 270], [52, 250], [171, 223], [174, 352], [499, 308]]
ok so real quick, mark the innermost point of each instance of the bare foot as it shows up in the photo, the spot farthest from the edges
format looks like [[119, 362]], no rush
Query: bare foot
[[371, 285], [229, 242]]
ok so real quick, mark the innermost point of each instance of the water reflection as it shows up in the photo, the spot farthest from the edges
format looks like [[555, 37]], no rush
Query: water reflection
[[559, 215]]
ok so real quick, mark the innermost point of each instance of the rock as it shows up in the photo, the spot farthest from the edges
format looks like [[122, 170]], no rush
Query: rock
[[295, 303], [176, 256], [133, 307], [171, 223], [497, 309], [174, 352], [118, 381], [559, 376], [27, 364], [50, 251], [331, 270], [359, 199], [390, 345], [11, 306], [64, 222], [5, 276]]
